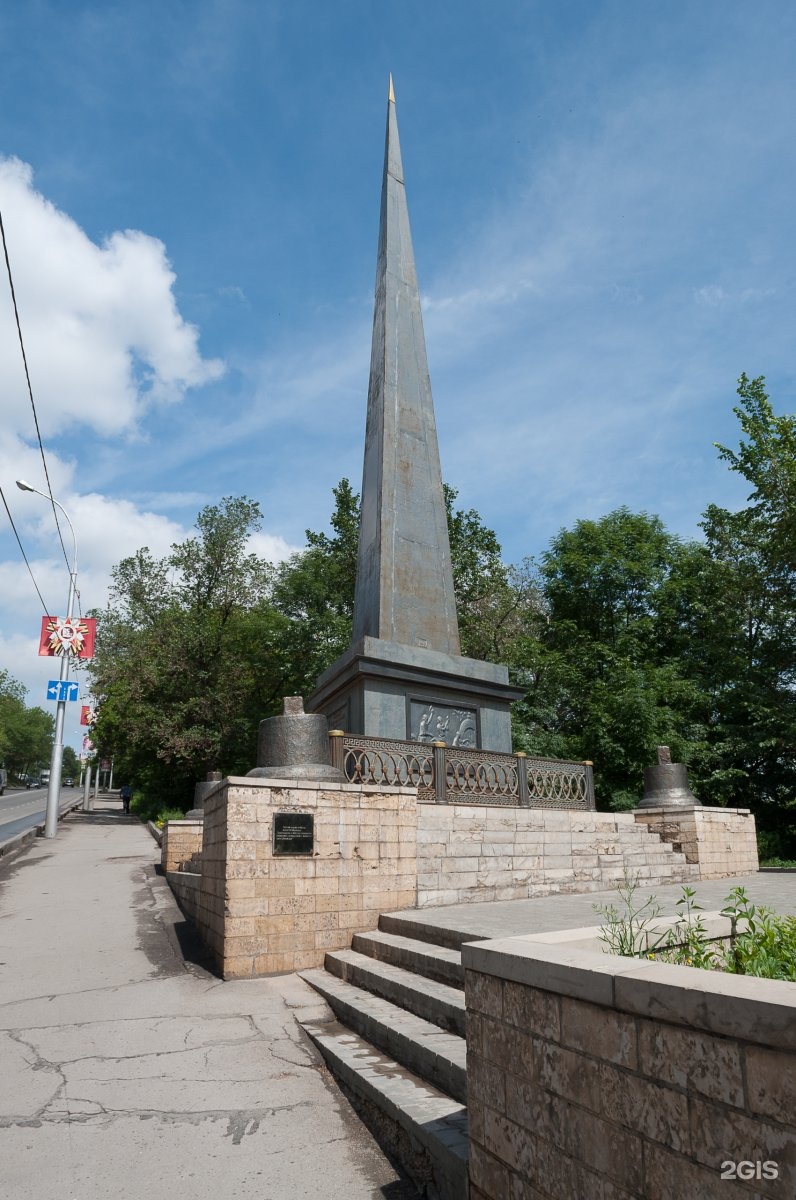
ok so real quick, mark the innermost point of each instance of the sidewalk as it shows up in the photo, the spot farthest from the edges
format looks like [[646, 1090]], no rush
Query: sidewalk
[[129, 1070]]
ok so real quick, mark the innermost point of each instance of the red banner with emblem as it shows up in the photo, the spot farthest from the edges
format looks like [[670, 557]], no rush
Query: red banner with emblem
[[67, 635]]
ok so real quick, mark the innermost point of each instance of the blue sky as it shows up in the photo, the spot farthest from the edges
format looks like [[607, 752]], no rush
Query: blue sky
[[601, 197]]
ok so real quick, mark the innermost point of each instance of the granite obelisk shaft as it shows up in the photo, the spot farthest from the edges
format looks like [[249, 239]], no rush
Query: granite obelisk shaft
[[404, 589], [403, 676]]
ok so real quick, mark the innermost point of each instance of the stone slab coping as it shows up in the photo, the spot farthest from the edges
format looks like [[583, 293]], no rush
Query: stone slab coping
[[190, 822], [157, 834], [188, 879], [671, 809], [762, 1011], [314, 785]]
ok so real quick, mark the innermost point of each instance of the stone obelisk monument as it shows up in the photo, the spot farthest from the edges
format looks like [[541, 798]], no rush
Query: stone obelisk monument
[[404, 676]]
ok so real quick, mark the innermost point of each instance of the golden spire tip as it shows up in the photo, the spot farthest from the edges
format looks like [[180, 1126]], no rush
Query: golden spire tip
[[391, 96]]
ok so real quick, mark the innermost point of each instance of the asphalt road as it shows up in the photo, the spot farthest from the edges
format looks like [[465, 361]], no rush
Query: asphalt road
[[22, 809]]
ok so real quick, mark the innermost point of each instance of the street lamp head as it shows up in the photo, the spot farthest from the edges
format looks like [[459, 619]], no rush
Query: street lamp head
[[24, 487]]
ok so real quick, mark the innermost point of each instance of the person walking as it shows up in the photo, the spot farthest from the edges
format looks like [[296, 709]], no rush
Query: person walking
[[126, 794]]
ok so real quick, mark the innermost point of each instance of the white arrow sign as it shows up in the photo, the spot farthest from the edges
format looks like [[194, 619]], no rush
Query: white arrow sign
[[62, 689]]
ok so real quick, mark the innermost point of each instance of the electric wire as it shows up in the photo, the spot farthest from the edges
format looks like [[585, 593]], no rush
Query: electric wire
[[22, 551], [30, 390]]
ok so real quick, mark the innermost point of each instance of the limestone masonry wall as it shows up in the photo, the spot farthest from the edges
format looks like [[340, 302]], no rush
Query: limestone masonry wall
[[721, 841], [185, 886], [594, 1076], [262, 913], [471, 852], [180, 844], [379, 850]]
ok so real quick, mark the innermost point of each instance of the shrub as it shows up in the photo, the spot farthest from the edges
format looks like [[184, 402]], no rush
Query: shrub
[[766, 946]]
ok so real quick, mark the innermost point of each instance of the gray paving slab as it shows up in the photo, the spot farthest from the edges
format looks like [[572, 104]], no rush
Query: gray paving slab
[[130, 1070], [510, 918]]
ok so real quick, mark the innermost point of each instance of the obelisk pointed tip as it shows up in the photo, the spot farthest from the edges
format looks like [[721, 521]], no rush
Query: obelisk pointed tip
[[391, 94]]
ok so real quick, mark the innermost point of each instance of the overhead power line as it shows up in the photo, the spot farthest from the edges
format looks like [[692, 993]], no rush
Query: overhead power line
[[30, 393], [45, 609]]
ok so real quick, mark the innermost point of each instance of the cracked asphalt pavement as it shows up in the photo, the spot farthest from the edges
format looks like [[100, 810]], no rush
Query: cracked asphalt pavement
[[127, 1068]]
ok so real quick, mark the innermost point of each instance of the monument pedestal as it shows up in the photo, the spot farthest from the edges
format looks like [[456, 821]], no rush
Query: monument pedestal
[[390, 690], [266, 903], [720, 841]]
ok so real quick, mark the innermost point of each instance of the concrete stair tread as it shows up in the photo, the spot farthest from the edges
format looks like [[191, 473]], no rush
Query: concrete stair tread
[[422, 1047], [426, 1114], [421, 957], [436, 1002]]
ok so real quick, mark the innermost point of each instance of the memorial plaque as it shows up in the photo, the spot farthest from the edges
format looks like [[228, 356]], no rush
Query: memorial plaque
[[294, 833], [430, 722]]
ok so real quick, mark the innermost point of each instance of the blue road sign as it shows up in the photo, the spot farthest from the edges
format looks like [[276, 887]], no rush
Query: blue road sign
[[62, 689]]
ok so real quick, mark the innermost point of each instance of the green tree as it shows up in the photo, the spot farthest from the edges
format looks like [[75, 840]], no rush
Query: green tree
[[189, 657], [25, 733], [742, 637], [766, 457], [314, 593], [495, 603], [70, 767], [602, 682]]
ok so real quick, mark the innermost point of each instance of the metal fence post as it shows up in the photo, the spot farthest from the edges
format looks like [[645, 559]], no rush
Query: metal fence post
[[440, 773], [337, 749], [522, 776], [590, 798]]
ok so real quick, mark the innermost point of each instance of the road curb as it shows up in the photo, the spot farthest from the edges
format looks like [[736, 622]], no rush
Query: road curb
[[17, 843]]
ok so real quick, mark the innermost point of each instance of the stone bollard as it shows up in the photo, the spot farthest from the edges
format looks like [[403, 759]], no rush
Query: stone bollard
[[199, 792]]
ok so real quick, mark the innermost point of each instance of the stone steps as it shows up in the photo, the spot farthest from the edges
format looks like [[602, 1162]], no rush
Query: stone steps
[[425, 1129], [435, 1002], [441, 964], [395, 1035], [396, 1044], [422, 1046]]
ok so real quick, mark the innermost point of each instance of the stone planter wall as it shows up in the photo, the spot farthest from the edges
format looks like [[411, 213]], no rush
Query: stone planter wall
[[591, 1075]]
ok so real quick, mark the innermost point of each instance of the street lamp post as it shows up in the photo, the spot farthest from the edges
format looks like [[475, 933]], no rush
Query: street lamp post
[[56, 759]]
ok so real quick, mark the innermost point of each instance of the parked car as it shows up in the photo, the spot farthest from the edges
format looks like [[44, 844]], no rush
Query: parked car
[[69, 782]]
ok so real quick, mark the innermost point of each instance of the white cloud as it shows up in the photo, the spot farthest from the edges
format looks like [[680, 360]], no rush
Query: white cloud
[[272, 548], [103, 335], [712, 295]]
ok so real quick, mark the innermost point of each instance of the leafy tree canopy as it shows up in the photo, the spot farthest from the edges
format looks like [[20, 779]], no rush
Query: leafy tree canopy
[[25, 733]]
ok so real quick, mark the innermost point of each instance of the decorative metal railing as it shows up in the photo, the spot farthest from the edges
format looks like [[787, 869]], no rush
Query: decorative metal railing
[[448, 774]]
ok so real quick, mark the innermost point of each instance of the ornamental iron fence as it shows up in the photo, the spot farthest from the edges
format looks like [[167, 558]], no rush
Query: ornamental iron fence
[[449, 775]]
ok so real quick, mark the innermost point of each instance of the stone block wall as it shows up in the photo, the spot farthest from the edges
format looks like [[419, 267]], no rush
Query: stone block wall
[[185, 885], [720, 841], [474, 852], [595, 1076], [180, 845], [262, 913]]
